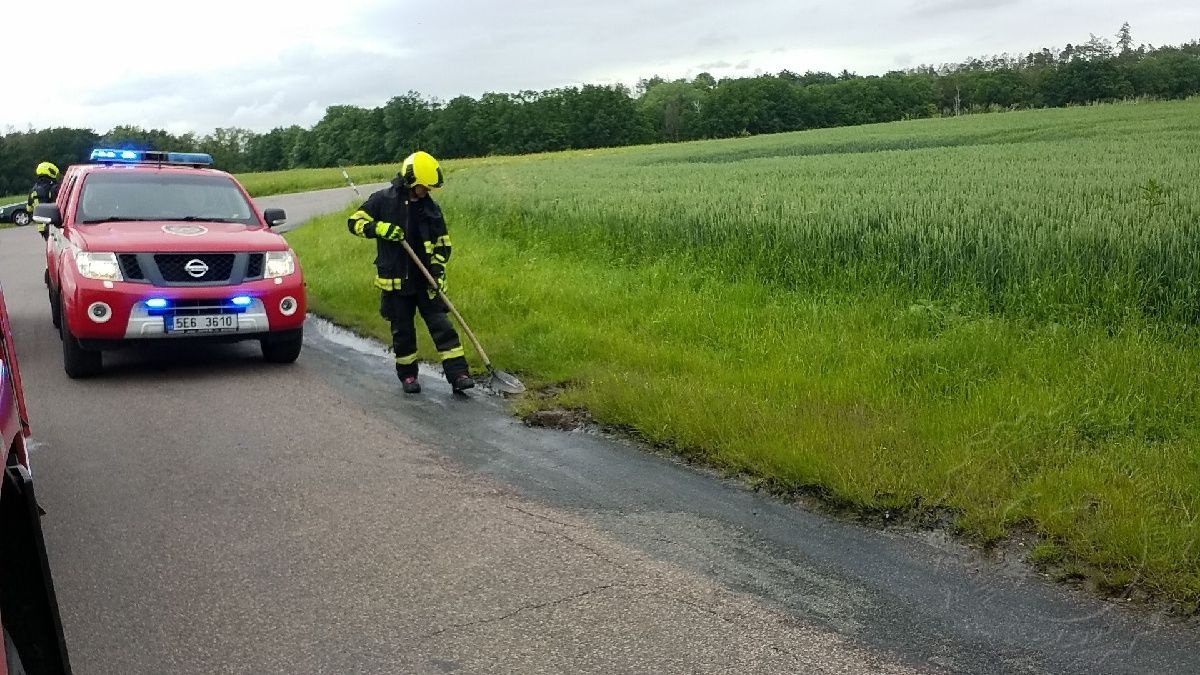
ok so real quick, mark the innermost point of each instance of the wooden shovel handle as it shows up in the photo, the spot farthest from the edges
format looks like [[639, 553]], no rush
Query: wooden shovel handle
[[453, 310]]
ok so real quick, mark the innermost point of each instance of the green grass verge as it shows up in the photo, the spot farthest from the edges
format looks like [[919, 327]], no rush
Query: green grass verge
[[994, 317]]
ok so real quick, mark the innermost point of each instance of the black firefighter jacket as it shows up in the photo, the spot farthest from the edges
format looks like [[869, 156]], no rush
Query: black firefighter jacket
[[387, 216]]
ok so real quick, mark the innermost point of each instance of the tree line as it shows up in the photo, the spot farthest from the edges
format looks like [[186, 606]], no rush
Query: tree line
[[657, 110]]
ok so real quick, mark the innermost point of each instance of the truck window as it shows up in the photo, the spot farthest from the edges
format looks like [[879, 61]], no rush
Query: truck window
[[161, 195]]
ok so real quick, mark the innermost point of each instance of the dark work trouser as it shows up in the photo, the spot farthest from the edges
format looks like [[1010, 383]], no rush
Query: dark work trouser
[[400, 310]]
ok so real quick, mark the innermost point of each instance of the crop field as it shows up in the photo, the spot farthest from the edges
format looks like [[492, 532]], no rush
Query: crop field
[[988, 321]]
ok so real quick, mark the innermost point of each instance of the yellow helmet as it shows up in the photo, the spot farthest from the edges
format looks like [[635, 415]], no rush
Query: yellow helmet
[[48, 170], [420, 168]]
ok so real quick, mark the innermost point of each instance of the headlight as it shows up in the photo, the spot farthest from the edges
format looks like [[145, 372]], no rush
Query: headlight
[[279, 264], [102, 266]]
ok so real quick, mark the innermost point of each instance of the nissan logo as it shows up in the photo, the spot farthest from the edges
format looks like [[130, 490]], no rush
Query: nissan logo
[[196, 268]]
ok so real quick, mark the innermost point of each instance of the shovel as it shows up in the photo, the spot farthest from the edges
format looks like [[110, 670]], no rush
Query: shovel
[[500, 381]]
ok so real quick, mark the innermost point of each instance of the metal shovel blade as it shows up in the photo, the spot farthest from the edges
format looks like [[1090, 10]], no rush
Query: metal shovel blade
[[505, 383]]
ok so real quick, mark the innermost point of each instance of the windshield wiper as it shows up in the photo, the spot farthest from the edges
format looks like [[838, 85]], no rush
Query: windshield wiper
[[114, 219], [202, 219]]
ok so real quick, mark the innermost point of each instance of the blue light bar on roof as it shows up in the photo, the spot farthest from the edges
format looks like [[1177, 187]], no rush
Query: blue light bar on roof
[[151, 157]]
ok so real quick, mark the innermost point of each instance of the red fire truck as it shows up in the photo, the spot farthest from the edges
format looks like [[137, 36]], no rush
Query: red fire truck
[[147, 245]]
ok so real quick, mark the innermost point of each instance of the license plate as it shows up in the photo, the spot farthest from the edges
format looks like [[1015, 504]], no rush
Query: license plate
[[202, 323]]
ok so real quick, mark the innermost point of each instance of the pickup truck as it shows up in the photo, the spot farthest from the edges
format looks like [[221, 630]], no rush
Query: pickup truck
[[150, 245]]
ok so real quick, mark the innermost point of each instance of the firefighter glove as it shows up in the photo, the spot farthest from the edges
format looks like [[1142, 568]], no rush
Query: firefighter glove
[[388, 231], [441, 285]]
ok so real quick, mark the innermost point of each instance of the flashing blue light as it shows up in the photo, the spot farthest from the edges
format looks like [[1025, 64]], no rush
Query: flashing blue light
[[106, 154], [156, 303], [151, 156], [242, 301]]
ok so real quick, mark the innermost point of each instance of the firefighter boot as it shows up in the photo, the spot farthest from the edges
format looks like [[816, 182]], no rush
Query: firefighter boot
[[408, 378], [410, 384], [462, 382]]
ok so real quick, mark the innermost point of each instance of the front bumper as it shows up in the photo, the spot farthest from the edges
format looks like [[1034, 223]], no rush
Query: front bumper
[[274, 306]]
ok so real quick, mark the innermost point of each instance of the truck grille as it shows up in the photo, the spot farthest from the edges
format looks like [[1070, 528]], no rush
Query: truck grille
[[171, 269], [200, 268], [254, 269], [131, 269]]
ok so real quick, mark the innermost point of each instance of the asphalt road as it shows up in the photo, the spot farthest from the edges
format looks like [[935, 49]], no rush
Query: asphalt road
[[208, 513]]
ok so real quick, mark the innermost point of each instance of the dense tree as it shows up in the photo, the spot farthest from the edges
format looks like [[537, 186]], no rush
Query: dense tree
[[672, 110], [1125, 39], [404, 126], [228, 148], [602, 116]]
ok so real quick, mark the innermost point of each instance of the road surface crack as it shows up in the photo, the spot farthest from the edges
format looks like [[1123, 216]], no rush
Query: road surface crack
[[539, 516], [700, 608], [518, 610], [591, 551], [560, 535]]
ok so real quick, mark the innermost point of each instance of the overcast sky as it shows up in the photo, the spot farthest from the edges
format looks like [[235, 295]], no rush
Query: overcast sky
[[216, 63]]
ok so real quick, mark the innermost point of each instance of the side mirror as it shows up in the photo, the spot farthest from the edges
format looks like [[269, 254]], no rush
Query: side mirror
[[274, 217], [47, 214]]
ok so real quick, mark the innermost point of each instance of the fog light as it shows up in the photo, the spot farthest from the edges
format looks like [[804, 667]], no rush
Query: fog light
[[99, 312], [288, 306]]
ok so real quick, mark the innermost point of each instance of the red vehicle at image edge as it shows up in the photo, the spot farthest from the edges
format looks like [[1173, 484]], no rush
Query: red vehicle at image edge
[[150, 245], [33, 633]]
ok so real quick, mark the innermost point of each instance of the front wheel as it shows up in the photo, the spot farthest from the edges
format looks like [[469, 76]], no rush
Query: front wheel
[[55, 309], [22, 218], [77, 361], [284, 349]]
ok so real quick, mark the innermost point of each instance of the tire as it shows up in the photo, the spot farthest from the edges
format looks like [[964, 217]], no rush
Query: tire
[[55, 310], [77, 361], [283, 350], [22, 218]]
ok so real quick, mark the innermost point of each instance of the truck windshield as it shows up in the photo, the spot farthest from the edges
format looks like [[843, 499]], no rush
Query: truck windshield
[[162, 195]]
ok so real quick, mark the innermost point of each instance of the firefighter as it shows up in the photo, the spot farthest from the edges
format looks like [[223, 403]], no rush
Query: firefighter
[[45, 190], [406, 211]]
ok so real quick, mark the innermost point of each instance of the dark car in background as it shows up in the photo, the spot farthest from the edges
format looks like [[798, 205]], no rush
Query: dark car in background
[[17, 213]]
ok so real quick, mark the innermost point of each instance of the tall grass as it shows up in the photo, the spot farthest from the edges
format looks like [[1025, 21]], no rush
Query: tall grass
[[993, 316]]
